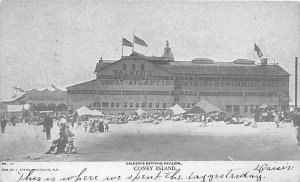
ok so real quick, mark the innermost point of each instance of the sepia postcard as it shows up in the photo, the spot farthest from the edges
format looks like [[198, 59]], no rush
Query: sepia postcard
[[149, 91]]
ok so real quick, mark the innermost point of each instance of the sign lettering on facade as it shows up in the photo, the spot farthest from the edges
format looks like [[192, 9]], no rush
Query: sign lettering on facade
[[190, 83], [131, 73], [135, 82]]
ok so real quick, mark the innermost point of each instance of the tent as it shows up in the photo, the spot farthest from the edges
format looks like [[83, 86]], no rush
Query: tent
[[175, 110], [263, 106], [203, 106], [96, 113], [83, 111], [140, 112]]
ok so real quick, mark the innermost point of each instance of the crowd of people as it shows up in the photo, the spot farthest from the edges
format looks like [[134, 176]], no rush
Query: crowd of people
[[100, 124], [65, 142], [92, 124]]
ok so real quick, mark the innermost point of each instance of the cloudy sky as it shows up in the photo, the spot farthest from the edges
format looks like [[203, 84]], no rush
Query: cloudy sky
[[59, 42]]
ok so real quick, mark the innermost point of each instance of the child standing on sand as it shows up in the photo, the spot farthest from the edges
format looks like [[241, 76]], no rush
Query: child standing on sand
[[85, 125], [106, 127]]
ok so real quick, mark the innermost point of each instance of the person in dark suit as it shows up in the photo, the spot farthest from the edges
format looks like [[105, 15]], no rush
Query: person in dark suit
[[101, 127], [256, 116], [296, 121], [13, 120], [48, 124], [4, 122]]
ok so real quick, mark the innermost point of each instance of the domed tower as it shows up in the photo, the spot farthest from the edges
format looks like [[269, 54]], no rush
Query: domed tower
[[167, 52]]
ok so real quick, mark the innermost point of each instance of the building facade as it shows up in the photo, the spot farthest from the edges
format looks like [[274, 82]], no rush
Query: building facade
[[157, 83], [47, 100]]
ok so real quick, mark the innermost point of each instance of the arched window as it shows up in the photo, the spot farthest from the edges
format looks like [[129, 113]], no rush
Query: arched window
[[61, 107], [51, 107], [41, 107], [32, 106]]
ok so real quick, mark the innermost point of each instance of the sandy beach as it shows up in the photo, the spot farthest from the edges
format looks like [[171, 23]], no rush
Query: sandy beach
[[169, 140]]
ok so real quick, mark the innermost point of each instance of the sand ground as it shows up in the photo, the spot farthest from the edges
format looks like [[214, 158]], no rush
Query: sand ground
[[169, 140]]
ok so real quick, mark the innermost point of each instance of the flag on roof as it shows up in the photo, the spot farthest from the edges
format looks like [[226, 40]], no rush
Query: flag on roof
[[53, 86], [259, 53], [127, 43], [139, 41], [18, 89]]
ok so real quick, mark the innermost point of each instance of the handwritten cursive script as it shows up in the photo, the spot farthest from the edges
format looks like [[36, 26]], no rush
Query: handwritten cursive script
[[255, 174]]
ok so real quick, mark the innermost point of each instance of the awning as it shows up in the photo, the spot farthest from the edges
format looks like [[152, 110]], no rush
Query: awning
[[15, 108]]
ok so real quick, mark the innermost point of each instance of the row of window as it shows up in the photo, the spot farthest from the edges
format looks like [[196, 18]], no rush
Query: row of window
[[261, 94], [119, 92], [133, 67], [244, 108], [137, 105], [213, 93], [143, 76], [228, 108], [189, 93], [128, 105], [146, 93]]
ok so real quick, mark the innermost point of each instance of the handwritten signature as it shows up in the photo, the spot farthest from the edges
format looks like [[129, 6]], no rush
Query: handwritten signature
[[266, 167]]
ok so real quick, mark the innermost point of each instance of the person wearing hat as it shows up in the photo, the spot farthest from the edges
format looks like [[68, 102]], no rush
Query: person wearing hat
[[256, 116], [62, 123], [48, 124], [296, 122], [4, 122]]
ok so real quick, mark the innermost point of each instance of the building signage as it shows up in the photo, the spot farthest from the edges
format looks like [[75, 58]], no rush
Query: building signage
[[135, 82], [190, 83], [131, 73], [231, 83]]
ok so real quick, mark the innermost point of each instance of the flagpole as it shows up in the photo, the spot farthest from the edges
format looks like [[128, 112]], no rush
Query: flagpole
[[133, 43], [296, 82], [122, 48], [254, 52]]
